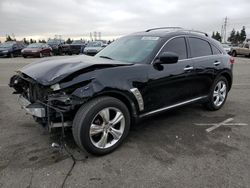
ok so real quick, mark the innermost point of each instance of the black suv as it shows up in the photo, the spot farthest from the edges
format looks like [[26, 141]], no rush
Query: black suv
[[136, 76], [57, 46], [11, 49]]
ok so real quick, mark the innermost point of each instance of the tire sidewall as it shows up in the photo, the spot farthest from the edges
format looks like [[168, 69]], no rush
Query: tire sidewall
[[83, 134], [211, 97]]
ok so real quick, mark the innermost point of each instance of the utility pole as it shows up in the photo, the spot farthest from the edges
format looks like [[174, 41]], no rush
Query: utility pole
[[225, 29], [222, 33]]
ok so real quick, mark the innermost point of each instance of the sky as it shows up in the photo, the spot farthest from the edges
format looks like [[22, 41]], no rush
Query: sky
[[43, 19]]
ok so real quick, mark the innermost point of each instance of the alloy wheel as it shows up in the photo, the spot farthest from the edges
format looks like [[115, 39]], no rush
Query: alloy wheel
[[107, 127], [219, 94]]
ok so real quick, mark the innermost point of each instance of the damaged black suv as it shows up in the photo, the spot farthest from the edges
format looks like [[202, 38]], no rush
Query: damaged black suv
[[136, 76]]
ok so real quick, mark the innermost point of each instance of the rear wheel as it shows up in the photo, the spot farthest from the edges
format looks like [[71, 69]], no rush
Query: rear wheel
[[40, 55], [218, 94], [101, 125]]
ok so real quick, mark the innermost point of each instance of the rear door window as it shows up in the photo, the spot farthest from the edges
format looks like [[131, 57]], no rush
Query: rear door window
[[199, 47], [178, 46]]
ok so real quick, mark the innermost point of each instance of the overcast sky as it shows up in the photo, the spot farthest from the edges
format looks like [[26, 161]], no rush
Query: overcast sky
[[77, 18]]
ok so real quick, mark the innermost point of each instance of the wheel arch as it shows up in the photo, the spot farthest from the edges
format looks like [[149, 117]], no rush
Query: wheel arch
[[127, 100], [228, 76]]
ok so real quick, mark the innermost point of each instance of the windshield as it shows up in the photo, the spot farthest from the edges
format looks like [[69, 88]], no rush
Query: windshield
[[7, 44], [132, 49], [94, 44], [34, 45]]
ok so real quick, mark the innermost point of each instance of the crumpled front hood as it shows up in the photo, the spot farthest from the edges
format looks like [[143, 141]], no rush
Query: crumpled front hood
[[48, 72]]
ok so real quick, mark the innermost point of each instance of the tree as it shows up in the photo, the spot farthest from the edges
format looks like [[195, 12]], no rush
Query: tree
[[41, 41], [8, 38], [231, 38], [32, 41], [25, 41], [242, 34], [69, 41], [216, 36], [237, 37]]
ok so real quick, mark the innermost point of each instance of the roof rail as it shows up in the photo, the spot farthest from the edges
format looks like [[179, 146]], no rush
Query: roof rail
[[180, 28], [195, 31], [157, 28]]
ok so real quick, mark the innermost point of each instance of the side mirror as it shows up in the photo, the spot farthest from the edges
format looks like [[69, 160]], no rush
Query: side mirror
[[167, 58]]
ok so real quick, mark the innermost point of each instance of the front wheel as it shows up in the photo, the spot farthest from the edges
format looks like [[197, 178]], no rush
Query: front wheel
[[218, 94], [101, 125]]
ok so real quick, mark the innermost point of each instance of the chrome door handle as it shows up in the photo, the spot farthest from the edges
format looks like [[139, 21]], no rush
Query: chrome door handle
[[188, 68], [216, 63]]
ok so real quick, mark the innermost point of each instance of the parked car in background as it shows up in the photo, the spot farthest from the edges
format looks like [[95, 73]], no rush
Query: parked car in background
[[37, 50], [226, 47], [11, 48], [243, 49], [57, 46], [94, 47], [136, 76], [77, 47]]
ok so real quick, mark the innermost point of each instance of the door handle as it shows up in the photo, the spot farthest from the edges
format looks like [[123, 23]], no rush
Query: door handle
[[216, 63], [188, 68]]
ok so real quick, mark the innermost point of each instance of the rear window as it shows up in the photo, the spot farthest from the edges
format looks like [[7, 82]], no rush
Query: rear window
[[199, 47]]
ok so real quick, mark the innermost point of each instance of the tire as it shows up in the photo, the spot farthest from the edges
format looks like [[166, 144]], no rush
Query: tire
[[24, 56], [11, 55], [216, 101], [234, 53], [91, 116]]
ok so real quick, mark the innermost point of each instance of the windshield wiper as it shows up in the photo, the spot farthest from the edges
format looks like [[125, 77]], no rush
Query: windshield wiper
[[106, 57]]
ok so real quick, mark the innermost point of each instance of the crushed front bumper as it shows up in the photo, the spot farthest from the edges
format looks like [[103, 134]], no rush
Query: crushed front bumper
[[34, 109]]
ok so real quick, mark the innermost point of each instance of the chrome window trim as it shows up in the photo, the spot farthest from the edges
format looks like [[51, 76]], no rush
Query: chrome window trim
[[172, 106], [165, 45], [191, 58]]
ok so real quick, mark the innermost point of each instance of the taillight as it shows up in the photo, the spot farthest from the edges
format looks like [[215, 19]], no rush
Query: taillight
[[232, 60]]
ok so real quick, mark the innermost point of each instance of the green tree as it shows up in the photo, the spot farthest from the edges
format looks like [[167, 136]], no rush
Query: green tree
[[213, 35], [243, 34], [25, 41], [69, 41], [216, 36], [8, 38], [237, 38], [32, 41], [231, 38]]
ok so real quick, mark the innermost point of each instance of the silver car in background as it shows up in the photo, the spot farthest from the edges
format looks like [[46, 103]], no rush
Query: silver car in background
[[94, 47]]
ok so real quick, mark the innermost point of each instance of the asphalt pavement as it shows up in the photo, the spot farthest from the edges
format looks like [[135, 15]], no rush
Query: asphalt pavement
[[174, 149]]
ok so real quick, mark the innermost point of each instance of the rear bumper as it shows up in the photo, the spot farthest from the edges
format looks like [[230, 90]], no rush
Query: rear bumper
[[33, 54]]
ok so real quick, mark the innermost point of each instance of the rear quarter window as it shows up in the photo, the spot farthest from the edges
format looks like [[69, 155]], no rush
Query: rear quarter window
[[199, 47], [215, 50]]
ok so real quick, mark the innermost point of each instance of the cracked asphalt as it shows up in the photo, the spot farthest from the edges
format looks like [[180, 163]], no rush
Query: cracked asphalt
[[167, 150]]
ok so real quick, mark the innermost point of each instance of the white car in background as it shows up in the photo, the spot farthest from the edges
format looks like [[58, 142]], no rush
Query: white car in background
[[94, 47], [226, 47]]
